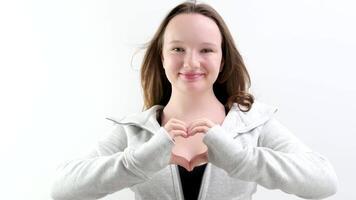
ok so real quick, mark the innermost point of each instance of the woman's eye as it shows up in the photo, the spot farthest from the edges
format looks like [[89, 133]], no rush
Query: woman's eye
[[178, 49], [207, 50]]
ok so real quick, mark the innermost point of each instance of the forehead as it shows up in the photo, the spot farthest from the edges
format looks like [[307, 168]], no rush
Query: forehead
[[192, 28]]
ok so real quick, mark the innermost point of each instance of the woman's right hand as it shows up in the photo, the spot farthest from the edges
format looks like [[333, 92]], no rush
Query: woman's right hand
[[176, 127]]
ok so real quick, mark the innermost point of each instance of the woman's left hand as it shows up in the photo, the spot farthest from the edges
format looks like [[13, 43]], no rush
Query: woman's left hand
[[201, 125]]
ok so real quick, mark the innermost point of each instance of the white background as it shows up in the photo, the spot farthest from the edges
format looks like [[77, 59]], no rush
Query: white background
[[66, 65]]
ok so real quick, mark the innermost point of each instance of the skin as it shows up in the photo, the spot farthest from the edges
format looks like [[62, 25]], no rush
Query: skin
[[192, 43]]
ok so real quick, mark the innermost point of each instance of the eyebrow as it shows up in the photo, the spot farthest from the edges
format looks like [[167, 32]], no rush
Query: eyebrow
[[179, 41]]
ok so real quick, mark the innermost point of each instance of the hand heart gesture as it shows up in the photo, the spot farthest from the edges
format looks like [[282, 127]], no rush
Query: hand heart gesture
[[189, 150]]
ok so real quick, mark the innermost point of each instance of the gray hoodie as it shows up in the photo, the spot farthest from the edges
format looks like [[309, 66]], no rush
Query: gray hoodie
[[248, 149]]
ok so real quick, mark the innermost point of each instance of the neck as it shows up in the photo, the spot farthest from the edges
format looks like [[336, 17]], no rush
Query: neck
[[180, 104]]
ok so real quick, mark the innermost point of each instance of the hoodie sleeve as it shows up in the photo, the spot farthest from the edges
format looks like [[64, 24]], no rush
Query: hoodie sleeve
[[280, 161], [112, 166]]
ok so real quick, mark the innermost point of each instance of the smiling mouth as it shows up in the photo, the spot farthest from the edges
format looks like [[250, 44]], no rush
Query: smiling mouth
[[194, 76]]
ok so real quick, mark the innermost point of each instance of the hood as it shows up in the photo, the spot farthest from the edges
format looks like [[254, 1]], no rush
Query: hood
[[236, 121]]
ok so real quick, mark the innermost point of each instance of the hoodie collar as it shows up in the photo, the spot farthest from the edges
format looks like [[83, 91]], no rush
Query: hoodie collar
[[235, 122]]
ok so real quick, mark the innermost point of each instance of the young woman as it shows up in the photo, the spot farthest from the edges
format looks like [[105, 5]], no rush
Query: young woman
[[201, 135]]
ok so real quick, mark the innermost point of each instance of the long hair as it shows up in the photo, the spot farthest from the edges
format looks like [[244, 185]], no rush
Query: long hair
[[232, 83]]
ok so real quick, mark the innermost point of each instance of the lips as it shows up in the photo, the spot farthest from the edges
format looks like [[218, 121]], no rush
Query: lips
[[192, 73], [191, 76]]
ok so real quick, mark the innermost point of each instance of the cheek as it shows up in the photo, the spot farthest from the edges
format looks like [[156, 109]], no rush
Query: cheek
[[214, 62], [172, 63]]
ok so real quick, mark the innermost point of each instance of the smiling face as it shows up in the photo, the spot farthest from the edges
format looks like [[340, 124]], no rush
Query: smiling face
[[191, 53]]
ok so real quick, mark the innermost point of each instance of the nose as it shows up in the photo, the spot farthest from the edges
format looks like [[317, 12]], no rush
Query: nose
[[191, 60]]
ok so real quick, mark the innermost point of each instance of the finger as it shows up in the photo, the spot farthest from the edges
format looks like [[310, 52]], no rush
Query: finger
[[198, 129], [201, 122], [179, 126], [192, 125], [177, 133], [173, 125]]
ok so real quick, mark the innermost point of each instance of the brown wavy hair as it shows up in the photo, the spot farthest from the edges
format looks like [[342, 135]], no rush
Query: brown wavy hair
[[232, 83]]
